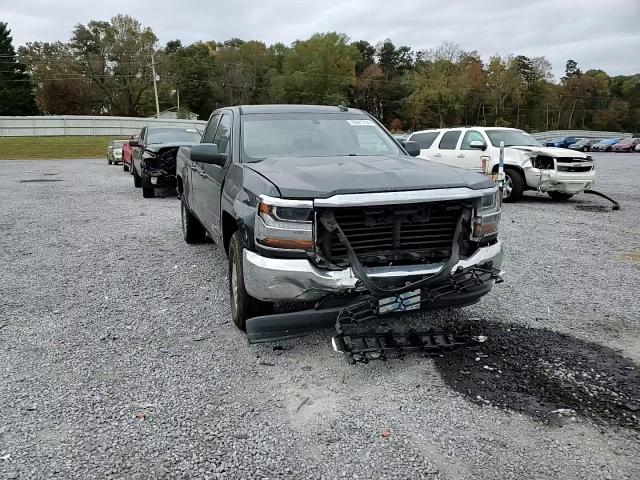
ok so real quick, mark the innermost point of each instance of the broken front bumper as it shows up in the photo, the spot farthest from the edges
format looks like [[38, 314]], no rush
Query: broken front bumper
[[158, 178], [565, 182], [278, 279]]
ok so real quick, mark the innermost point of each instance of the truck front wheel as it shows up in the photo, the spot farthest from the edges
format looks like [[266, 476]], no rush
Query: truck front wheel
[[513, 186], [243, 305]]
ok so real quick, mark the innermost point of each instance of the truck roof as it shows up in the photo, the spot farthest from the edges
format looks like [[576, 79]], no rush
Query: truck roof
[[465, 128], [249, 109]]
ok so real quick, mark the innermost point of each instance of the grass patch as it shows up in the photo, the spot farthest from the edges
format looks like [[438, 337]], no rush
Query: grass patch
[[44, 148]]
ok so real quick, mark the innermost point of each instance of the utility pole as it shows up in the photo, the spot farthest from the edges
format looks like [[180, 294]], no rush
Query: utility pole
[[155, 87], [178, 95]]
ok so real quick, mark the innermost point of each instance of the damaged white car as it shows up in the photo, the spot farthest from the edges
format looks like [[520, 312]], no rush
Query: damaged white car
[[528, 165]]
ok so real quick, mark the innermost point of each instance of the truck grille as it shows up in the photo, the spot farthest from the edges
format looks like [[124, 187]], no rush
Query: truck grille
[[414, 233], [574, 168]]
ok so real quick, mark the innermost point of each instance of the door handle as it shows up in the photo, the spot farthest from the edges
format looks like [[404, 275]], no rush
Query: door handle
[[193, 168], [461, 155], [437, 155], [202, 174]]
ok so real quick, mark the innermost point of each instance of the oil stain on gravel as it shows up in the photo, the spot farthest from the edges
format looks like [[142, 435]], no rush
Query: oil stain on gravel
[[41, 180], [539, 371], [593, 208]]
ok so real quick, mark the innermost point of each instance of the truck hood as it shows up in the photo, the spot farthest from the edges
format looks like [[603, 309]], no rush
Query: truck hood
[[552, 152], [322, 177], [156, 147]]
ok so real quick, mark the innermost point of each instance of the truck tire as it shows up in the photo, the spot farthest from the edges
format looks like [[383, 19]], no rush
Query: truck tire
[[109, 161], [560, 196], [513, 185], [125, 167], [137, 181], [192, 230], [243, 305], [148, 190]]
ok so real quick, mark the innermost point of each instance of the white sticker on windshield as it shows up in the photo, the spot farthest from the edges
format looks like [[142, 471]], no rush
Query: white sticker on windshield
[[360, 123]]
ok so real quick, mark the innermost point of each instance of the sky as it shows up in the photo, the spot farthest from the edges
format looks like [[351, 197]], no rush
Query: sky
[[596, 33]]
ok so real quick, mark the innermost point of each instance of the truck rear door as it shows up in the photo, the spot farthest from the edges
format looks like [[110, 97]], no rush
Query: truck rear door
[[425, 140], [446, 149]]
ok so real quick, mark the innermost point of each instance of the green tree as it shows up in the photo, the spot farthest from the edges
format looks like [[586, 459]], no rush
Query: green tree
[[60, 89], [116, 57], [16, 87], [367, 55], [246, 70], [318, 70], [193, 74]]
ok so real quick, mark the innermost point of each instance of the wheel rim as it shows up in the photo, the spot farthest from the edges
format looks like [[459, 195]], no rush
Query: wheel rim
[[507, 188]]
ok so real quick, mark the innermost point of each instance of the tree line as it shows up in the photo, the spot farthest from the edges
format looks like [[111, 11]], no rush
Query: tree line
[[106, 68]]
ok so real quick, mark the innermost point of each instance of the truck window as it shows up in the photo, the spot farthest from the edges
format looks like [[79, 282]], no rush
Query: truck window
[[450, 140], [221, 138], [471, 136], [425, 140], [211, 129]]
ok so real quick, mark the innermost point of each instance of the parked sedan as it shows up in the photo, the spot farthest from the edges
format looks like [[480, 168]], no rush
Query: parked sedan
[[626, 145], [114, 152], [154, 156], [562, 142], [604, 145], [584, 145], [638, 148]]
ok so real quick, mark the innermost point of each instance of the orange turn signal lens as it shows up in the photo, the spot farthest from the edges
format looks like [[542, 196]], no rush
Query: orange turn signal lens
[[264, 208], [289, 244], [484, 229]]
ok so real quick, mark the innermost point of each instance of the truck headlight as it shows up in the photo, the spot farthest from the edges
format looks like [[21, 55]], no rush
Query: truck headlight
[[487, 217], [284, 224]]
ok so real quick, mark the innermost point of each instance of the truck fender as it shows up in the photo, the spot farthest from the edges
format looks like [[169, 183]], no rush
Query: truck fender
[[239, 203]]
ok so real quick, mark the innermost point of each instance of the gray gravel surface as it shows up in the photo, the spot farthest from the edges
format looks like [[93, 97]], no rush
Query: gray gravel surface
[[118, 358]]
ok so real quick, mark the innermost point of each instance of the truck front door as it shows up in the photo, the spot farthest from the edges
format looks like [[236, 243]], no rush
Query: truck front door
[[198, 195], [214, 174], [471, 158]]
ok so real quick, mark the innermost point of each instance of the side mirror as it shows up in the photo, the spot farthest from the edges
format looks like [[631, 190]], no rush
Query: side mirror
[[412, 148], [478, 145], [134, 142], [207, 153]]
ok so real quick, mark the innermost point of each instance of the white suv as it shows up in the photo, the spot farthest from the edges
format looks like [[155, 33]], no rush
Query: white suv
[[528, 165]]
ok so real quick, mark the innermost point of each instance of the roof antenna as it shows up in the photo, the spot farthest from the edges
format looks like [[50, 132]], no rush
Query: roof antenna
[[343, 108]]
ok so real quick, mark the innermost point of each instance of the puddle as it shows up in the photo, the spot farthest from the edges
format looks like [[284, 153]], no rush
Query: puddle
[[537, 371]]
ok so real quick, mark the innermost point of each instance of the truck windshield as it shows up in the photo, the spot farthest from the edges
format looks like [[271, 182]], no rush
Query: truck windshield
[[313, 135], [170, 135], [512, 138]]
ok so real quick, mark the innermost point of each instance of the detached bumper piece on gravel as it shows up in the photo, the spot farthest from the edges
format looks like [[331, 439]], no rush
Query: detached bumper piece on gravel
[[360, 344]]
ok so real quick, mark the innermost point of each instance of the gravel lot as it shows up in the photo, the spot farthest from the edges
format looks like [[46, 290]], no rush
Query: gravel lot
[[118, 358]]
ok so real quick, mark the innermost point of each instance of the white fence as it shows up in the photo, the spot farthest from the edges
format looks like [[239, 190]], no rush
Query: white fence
[[81, 125], [553, 134]]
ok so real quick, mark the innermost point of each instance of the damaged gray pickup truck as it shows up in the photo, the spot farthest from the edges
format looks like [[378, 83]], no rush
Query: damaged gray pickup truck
[[322, 212]]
